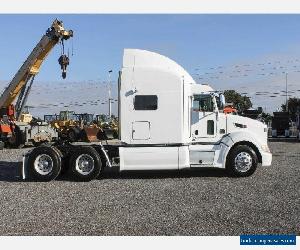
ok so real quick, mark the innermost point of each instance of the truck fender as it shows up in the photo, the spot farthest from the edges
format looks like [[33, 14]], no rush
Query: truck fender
[[239, 137]]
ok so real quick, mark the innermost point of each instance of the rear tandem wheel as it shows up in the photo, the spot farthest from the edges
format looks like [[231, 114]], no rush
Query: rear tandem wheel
[[85, 163], [44, 163]]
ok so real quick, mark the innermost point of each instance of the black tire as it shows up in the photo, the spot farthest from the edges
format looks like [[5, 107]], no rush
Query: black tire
[[48, 154], [116, 135], [19, 140], [72, 136], [101, 135], [236, 167], [2, 144], [93, 162]]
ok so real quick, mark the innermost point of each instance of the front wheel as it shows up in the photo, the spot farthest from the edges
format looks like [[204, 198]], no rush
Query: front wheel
[[242, 161], [85, 163]]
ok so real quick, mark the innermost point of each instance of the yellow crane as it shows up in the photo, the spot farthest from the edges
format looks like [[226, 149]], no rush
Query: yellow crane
[[21, 83]]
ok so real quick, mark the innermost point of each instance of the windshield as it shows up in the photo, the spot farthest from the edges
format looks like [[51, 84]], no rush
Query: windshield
[[87, 117], [50, 118], [66, 115]]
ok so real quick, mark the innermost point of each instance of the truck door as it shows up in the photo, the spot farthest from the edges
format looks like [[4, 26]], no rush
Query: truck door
[[203, 117]]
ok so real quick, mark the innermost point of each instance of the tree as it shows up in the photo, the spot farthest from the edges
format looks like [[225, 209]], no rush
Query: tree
[[240, 102], [293, 107], [266, 117]]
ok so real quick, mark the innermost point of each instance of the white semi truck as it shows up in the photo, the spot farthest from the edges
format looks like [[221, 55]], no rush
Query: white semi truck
[[167, 122]]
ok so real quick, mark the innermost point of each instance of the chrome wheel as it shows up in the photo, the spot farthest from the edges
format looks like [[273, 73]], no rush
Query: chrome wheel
[[243, 162], [43, 164], [84, 164]]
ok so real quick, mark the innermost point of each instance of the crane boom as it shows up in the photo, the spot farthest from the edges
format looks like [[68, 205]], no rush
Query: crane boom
[[31, 66]]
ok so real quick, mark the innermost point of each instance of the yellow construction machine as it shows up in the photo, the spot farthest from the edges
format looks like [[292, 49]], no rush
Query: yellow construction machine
[[65, 124], [110, 127], [74, 127]]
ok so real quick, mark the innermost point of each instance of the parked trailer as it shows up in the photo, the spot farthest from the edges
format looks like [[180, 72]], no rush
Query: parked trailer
[[167, 122], [280, 124]]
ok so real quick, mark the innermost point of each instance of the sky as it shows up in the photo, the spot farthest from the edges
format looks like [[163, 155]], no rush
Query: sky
[[248, 53]]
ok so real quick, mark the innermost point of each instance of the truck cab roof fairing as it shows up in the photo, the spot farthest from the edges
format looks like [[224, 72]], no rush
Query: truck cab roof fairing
[[143, 58]]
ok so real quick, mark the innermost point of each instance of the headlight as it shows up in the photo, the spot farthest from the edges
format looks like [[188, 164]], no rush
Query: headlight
[[265, 148]]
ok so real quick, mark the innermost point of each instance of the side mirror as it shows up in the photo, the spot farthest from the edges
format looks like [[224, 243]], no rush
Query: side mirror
[[222, 100]]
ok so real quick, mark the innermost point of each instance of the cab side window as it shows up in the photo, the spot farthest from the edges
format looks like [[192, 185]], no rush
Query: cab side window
[[203, 103]]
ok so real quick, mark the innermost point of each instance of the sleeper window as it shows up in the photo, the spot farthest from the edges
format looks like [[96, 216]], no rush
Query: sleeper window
[[145, 102]]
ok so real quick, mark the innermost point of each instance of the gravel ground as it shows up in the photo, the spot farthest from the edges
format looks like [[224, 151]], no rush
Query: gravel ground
[[201, 202]]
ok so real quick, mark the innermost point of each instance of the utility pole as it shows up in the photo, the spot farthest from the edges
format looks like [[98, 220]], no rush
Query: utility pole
[[109, 94], [286, 91]]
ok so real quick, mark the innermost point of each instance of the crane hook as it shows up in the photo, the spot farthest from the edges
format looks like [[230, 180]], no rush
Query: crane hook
[[63, 61]]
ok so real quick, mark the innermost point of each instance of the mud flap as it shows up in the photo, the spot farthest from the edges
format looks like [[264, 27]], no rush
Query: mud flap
[[23, 170]]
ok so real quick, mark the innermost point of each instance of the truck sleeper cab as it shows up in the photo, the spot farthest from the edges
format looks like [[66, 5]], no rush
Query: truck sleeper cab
[[167, 122]]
